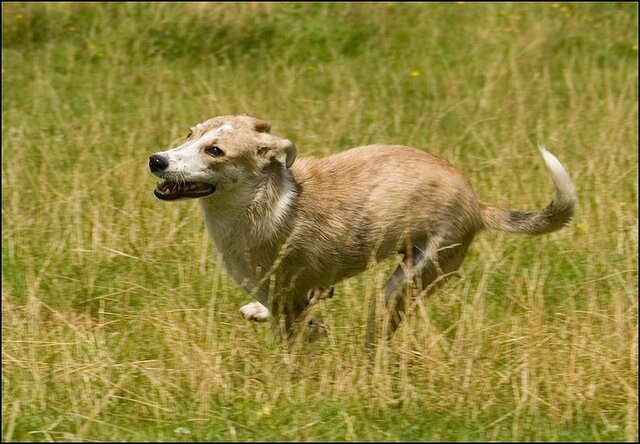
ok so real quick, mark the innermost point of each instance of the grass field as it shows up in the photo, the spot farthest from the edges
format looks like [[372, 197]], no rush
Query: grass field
[[117, 322]]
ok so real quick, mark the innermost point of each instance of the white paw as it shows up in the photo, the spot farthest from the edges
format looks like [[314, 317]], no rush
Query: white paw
[[255, 311]]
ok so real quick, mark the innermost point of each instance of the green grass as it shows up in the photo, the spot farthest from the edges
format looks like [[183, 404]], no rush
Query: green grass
[[117, 322]]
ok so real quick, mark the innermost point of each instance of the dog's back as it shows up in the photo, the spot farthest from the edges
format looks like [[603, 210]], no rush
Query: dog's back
[[367, 203]]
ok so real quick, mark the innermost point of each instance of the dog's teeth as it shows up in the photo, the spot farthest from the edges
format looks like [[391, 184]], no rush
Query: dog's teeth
[[170, 187]]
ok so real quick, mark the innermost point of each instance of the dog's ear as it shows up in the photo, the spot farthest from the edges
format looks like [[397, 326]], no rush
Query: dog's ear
[[258, 125], [275, 146], [261, 126], [288, 147]]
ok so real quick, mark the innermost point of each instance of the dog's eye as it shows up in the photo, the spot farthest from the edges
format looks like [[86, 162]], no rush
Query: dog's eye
[[214, 151]]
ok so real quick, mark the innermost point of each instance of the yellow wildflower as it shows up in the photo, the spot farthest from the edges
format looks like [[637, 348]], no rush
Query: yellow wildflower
[[414, 73]]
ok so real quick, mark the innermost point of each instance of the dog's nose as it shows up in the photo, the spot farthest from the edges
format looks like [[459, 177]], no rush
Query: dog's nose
[[157, 163]]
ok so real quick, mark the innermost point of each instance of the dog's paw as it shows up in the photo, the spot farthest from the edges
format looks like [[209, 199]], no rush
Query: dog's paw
[[255, 311], [316, 330], [316, 295]]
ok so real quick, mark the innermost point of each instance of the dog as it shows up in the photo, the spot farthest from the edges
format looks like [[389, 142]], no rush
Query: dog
[[287, 229]]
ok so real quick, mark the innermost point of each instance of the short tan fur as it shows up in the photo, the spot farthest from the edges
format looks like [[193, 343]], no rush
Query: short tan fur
[[287, 229]]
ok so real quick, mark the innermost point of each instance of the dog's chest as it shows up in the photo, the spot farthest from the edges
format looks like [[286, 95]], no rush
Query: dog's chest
[[245, 258]]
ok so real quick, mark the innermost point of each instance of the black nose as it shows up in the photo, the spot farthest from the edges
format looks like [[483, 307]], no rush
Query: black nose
[[157, 163]]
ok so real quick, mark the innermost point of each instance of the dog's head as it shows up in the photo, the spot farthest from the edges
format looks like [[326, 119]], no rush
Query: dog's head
[[218, 154]]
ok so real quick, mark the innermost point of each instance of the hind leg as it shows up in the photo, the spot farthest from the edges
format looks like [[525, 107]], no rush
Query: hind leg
[[390, 300], [420, 270]]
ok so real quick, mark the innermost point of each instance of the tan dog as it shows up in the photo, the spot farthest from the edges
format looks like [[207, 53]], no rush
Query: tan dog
[[287, 232]]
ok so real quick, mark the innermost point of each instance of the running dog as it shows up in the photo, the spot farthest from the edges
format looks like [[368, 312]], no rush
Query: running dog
[[287, 229]]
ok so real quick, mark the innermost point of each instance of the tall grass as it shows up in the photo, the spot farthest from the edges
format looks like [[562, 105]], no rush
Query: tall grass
[[119, 324]]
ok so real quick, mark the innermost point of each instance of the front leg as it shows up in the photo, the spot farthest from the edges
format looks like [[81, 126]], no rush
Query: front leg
[[255, 311], [316, 295], [288, 310]]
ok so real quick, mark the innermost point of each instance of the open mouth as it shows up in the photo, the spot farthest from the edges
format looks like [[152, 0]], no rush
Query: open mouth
[[168, 190]]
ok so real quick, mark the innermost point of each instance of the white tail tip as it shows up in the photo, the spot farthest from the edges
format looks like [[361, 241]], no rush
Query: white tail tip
[[564, 186]]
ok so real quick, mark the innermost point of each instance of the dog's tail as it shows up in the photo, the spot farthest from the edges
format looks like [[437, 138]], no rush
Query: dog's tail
[[556, 215]]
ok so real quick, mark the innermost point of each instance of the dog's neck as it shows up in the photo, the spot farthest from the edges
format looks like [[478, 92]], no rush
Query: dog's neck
[[259, 215]]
